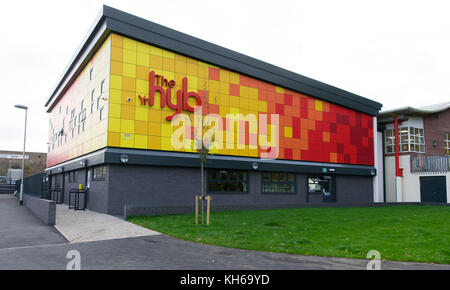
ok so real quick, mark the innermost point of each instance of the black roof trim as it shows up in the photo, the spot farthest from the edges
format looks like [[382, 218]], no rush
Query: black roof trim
[[143, 30]]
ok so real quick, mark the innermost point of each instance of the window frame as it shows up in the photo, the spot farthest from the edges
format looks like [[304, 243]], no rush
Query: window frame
[[447, 144], [406, 138], [102, 177], [278, 182], [246, 180]]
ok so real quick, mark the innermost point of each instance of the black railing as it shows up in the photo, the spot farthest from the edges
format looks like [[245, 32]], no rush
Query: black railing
[[429, 164], [77, 199]]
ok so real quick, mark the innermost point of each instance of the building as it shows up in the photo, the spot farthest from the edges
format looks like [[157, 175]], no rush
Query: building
[[297, 140], [417, 167], [11, 161]]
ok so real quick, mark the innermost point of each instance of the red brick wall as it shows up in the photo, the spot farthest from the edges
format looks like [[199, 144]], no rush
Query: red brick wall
[[435, 126]]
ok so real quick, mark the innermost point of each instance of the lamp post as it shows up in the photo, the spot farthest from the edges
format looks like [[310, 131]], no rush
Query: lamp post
[[23, 154]]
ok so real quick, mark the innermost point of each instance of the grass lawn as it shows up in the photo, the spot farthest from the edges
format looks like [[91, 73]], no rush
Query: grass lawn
[[400, 233]]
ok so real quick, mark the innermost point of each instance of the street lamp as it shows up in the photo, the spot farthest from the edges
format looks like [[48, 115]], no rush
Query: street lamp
[[23, 154]]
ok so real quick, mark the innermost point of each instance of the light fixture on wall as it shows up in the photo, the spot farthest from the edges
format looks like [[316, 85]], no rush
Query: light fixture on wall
[[372, 172], [83, 162], [124, 158], [255, 165], [435, 143]]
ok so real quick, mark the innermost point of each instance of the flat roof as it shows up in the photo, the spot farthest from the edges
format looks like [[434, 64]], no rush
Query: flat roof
[[113, 20], [408, 110]]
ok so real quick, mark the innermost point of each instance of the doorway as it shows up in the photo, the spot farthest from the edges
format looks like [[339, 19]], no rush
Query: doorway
[[321, 188], [433, 189]]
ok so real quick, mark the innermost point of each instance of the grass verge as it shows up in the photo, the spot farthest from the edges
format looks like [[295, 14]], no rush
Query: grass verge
[[399, 233]]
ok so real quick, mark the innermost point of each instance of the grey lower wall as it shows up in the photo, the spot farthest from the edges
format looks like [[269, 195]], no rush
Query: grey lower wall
[[153, 190], [43, 209]]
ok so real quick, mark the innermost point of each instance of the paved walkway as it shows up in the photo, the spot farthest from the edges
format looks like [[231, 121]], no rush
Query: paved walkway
[[20, 228], [87, 226]]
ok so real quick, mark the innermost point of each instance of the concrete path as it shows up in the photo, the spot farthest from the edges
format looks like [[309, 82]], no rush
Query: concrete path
[[20, 228], [88, 226]]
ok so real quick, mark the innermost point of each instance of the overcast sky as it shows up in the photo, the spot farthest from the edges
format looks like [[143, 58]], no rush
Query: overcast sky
[[393, 52]]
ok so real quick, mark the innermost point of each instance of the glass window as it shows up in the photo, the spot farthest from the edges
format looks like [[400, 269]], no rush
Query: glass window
[[314, 185], [99, 173], [278, 182], [411, 140], [447, 144], [73, 177], [227, 181]]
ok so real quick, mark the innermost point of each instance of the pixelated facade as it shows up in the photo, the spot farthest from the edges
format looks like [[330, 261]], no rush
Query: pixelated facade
[[309, 129]]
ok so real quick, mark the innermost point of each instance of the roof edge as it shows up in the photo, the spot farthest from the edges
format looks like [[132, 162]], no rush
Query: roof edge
[[135, 27]]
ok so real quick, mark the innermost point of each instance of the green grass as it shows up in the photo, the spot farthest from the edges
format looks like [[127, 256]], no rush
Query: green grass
[[399, 233]]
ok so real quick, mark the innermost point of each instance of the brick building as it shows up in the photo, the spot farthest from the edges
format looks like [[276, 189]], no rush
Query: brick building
[[419, 169], [34, 162]]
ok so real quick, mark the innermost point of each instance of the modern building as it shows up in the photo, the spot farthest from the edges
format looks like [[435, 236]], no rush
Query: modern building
[[125, 113], [417, 162]]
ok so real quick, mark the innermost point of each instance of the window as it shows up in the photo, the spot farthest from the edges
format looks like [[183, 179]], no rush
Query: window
[[411, 140], [73, 177], [99, 173], [92, 101], [278, 182], [447, 144], [314, 184], [227, 181], [98, 103]]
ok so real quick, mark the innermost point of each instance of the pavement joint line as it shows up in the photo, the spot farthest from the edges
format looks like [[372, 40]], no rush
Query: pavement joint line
[[33, 246]]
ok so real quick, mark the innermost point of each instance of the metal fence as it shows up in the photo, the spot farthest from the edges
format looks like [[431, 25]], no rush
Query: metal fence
[[429, 164], [37, 185]]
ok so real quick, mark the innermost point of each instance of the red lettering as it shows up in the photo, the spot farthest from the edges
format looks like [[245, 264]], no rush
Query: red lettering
[[166, 95], [143, 100], [187, 95], [153, 89], [176, 106]]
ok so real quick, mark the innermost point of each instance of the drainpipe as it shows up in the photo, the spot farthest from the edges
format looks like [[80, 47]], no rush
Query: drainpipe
[[398, 170]]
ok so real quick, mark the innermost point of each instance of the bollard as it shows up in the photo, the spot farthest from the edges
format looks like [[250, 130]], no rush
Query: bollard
[[208, 206], [196, 209]]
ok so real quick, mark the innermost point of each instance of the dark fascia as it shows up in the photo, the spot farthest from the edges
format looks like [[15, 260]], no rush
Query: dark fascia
[[110, 155], [113, 20], [181, 159]]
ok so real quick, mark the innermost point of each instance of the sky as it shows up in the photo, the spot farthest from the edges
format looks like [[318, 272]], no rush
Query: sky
[[393, 52]]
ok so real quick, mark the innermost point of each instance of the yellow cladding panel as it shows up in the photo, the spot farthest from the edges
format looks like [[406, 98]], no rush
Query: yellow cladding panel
[[318, 105], [129, 56], [143, 59], [288, 132], [140, 141], [129, 43]]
